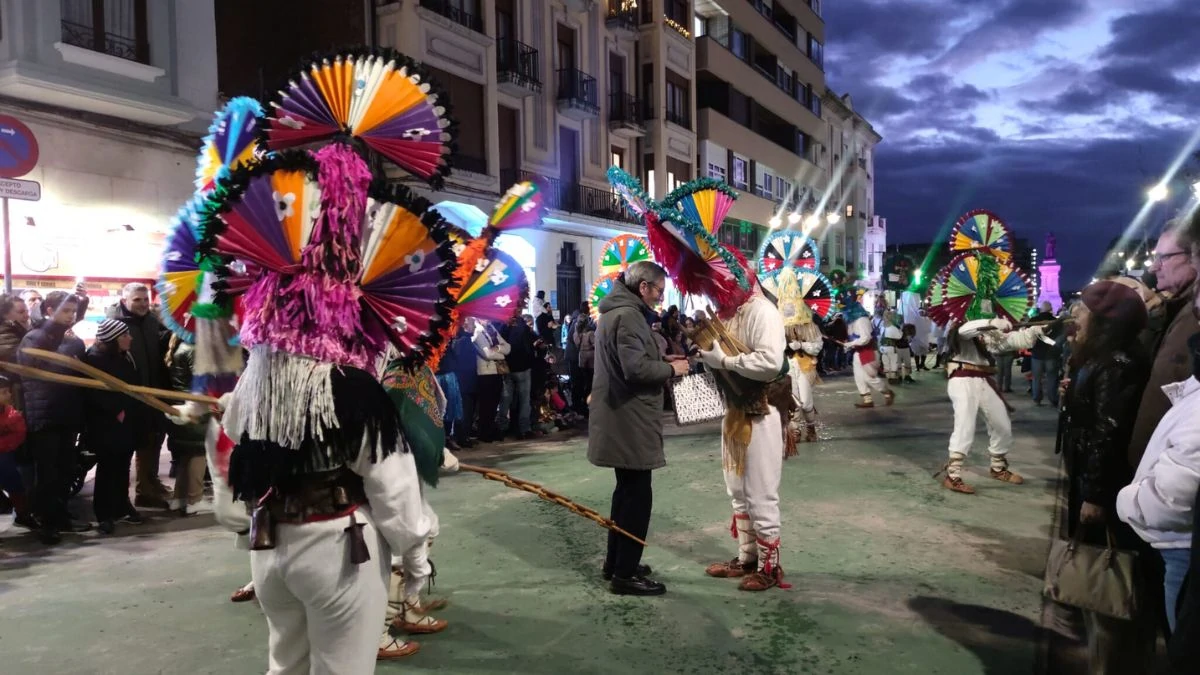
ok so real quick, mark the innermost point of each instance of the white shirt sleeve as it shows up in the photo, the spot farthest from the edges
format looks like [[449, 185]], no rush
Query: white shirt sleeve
[[766, 338], [394, 496], [860, 331], [1163, 498]]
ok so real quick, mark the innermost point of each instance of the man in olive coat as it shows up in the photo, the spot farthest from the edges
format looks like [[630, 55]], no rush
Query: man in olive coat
[[625, 425]]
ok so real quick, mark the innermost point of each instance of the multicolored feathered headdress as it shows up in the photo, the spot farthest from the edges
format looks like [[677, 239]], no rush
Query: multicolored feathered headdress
[[800, 294], [980, 282], [682, 230], [850, 303]]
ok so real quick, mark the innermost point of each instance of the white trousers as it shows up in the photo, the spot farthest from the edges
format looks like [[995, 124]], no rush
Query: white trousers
[[890, 357], [972, 395], [802, 389], [323, 612], [866, 377], [756, 491]]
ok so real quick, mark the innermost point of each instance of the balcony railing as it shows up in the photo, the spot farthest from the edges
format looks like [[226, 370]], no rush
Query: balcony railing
[[517, 62], [578, 89], [625, 108], [573, 197], [458, 16], [780, 22], [622, 14], [681, 117], [91, 37]]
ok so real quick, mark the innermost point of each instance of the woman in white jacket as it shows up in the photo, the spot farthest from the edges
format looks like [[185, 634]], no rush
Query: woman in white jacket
[[1159, 503], [491, 350]]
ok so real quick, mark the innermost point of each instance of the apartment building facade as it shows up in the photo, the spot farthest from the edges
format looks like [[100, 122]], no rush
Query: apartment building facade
[[117, 94], [849, 159]]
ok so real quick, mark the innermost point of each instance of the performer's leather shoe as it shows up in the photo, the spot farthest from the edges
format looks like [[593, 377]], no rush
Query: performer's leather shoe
[[761, 581], [864, 404], [1006, 476], [642, 571], [636, 586], [957, 485], [394, 647], [810, 433], [732, 569]]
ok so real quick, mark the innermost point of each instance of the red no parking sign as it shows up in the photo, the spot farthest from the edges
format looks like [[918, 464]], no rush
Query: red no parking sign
[[18, 148]]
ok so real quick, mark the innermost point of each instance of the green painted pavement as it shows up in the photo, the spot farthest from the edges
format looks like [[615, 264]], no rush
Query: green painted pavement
[[891, 573]]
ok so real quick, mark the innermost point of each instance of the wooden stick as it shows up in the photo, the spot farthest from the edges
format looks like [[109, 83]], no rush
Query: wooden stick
[[546, 495], [88, 383], [113, 383]]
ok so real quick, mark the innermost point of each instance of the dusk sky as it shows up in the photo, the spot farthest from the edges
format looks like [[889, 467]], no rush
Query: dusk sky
[[1055, 114]]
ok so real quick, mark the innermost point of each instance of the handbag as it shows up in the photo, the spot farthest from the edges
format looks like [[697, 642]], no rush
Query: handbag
[[697, 399], [502, 368], [1100, 579]]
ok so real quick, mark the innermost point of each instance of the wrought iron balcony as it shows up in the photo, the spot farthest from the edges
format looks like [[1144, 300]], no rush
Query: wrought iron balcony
[[577, 95], [458, 16], [518, 70], [625, 115], [93, 38], [682, 118]]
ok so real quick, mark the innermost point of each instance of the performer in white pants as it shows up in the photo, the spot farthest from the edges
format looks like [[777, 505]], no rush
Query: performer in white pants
[[973, 390], [889, 353], [865, 350], [752, 473], [804, 343]]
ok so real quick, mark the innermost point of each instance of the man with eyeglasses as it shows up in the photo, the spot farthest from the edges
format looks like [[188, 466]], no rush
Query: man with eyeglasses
[[1176, 279]]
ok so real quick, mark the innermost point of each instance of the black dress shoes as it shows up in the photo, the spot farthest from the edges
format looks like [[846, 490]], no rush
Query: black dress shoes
[[637, 586], [642, 571]]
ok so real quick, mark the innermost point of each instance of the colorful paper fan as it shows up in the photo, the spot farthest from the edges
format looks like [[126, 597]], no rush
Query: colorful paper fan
[[622, 251], [705, 200], [232, 141], [600, 290], [267, 212], [697, 262], [408, 264], [786, 247], [898, 272], [181, 279], [522, 206], [937, 297], [630, 190], [982, 230], [1012, 299], [497, 290], [383, 99]]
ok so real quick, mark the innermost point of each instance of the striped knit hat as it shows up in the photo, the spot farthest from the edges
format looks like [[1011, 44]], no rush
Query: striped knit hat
[[110, 330]]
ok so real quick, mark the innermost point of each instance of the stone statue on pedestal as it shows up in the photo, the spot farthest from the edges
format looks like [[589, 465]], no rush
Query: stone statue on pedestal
[[1051, 244]]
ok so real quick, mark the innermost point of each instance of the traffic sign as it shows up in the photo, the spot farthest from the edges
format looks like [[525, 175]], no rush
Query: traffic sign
[[18, 148], [25, 190]]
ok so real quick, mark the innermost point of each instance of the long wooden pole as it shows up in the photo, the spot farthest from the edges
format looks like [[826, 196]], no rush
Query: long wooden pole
[[89, 383]]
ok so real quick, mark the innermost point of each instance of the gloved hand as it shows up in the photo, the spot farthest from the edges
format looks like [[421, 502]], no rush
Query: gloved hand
[[188, 413], [449, 461], [223, 402], [794, 345], [713, 358], [1001, 324]]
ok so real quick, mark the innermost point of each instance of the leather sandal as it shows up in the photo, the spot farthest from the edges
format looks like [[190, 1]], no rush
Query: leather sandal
[[731, 570], [761, 581], [1006, 476], [392, 647], [956, 484], [243, 594]]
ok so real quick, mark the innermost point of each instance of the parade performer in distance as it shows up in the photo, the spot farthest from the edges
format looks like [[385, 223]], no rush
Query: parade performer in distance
[[864, 348], [984, 293], [332, 267], [751, 368]]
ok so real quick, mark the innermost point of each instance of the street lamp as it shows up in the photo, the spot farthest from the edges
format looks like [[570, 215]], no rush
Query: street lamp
[[775, 222], [1158, 193], [833, 219], [1130, 263], [793, 217], [812, 221]]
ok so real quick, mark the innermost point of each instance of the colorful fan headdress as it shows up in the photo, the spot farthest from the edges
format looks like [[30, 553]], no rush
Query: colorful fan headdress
[[799, 294], [682, 233], [600, 290], [382, 99], [787, 248], [622, 251], [980, 282]]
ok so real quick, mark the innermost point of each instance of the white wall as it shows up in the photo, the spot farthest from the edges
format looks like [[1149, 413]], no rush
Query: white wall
[[93, 181]]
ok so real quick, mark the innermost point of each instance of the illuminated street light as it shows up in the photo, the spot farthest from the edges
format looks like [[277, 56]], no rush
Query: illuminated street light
[[1158, 193], [834, 218], [775, 222], [793, 217], [812, 221], [1130, 263]]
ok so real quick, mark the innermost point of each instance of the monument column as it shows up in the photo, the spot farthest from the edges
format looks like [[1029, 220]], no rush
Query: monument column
[[1048, 268]]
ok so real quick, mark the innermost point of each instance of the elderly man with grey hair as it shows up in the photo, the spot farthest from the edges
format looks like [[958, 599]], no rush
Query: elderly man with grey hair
[[625, 429], [149, 338]]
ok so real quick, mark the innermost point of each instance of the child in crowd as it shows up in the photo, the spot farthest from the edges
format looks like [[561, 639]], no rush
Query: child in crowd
[[12, 436]]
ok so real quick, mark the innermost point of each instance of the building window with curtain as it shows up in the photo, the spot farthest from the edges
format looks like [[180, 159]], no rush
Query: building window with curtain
[[114, 27], [716, 171]]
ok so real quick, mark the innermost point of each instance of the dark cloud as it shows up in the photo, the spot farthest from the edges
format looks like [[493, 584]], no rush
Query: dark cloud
[[938, 160]]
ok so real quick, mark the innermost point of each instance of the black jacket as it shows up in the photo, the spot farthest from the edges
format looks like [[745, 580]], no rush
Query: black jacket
[[48, 405], [111, 418], [520, 337], [11, 334], [1094, 429], [1184, 648], [148, 349], [185, 440], [1040, 349]]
